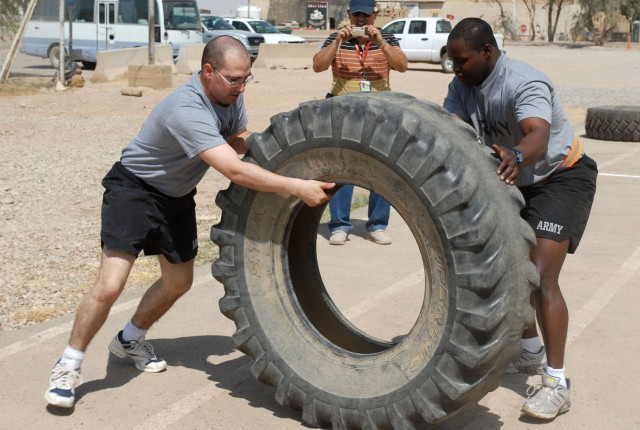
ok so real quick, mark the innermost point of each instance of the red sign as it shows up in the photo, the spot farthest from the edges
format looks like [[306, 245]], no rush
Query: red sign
[[523, 28]]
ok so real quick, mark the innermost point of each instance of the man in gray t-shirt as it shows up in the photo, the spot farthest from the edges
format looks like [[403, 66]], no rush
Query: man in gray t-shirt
[[516, 112], [148, 205]]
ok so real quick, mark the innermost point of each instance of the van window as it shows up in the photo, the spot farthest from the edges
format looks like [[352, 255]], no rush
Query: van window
[[84, 10], [133, 11], [181, 15]]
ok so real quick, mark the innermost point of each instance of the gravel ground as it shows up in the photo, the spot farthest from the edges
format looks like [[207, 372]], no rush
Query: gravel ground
[[57, 146]]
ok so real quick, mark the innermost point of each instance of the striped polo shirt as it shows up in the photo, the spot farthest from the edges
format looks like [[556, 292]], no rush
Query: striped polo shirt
[[354, 63]]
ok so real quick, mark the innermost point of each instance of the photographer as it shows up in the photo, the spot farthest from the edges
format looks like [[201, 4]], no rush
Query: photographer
[[361, 57]]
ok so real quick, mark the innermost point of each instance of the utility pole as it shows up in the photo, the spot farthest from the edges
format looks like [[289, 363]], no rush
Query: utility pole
[[61, 45], [151, 17]]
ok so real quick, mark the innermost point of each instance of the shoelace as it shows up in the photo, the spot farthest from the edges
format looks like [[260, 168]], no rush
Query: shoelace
[[145, 347], [148, 349], [65, 378], [532, 390], [549, 392]]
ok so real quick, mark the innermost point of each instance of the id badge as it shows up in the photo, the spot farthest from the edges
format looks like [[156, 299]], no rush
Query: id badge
[[365, 86]]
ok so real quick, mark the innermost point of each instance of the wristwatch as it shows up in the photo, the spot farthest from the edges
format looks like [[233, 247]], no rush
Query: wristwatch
[[519, 156]]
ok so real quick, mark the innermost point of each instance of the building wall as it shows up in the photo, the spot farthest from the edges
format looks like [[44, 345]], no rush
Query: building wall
[[490, 12], [284, 11]]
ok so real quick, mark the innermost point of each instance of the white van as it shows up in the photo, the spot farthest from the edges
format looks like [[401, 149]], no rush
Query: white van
[[110, 24]]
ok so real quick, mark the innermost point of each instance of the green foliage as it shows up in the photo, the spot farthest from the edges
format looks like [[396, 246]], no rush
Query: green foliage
[[9, 17], [611, 8]]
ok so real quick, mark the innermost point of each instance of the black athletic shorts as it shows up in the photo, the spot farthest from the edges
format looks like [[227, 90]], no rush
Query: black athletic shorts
[[136, 217], [559, 207]]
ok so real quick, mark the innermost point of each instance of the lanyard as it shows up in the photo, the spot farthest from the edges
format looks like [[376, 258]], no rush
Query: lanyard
[[363, 55]]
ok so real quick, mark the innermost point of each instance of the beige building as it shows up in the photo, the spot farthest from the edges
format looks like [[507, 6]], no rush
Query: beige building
[[516, 20]]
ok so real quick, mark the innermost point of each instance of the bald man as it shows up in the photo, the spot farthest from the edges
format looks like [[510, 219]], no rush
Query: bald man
[[148, 206]]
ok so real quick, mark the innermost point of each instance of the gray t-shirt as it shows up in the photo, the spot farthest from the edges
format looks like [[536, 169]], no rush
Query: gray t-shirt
[[165, 152], [514, 91]]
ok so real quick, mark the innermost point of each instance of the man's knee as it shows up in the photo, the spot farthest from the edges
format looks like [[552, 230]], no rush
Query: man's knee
[[182, 286], [106, 291]]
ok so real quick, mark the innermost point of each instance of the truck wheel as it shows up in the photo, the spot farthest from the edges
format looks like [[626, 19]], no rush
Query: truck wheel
[[473, 244], [446, 63], [620, 123], [54, 56]]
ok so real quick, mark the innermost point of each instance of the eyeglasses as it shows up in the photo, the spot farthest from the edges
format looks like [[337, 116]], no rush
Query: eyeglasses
[[235, 82], [360, 15]]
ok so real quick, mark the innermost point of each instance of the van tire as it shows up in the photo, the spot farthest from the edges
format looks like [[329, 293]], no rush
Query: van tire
[[620, 123], [473, 243], [54, 56]]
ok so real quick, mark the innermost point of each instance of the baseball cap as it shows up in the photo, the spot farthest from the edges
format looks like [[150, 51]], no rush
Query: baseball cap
[[365, 6]]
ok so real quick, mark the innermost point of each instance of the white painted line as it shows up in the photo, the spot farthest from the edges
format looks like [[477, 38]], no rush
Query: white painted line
[[180, 409], [43, 336], [385, 294], [187, 405], [619, 176], [591, 309], [622, 157]]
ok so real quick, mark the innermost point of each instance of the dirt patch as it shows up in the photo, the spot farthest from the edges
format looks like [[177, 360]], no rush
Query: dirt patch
[[25, 86]]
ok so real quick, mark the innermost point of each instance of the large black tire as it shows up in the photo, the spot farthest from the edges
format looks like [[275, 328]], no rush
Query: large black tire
[[473, 243], [621, 123]]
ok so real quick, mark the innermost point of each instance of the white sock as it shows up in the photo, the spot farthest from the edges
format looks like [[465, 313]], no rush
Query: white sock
[[557, 373], [131, 332], [71, 354], [533, 344]]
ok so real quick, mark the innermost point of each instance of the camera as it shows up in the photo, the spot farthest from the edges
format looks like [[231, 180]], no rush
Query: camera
[[357, 31]]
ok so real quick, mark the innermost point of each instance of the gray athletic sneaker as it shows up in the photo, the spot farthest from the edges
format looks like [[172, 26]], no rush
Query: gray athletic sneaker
[[549, 399], [62, 383], [140, 351], [530, 363]]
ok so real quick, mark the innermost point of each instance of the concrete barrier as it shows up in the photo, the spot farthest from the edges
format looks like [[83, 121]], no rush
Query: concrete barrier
[[313, 35], [157, 76], [286, 55], [189, 58], [112, 65]]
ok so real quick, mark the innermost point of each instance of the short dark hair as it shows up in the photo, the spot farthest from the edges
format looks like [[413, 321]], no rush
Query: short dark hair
[[475, 32], [215, 50]]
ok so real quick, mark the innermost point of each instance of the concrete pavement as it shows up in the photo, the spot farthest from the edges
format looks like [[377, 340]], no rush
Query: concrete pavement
[[208, 384]]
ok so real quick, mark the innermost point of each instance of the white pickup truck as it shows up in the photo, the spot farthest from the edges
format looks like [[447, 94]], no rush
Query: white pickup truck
[[425, 39]]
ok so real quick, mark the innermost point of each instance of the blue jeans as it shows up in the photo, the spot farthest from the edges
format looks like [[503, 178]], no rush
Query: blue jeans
[[340, 209]]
